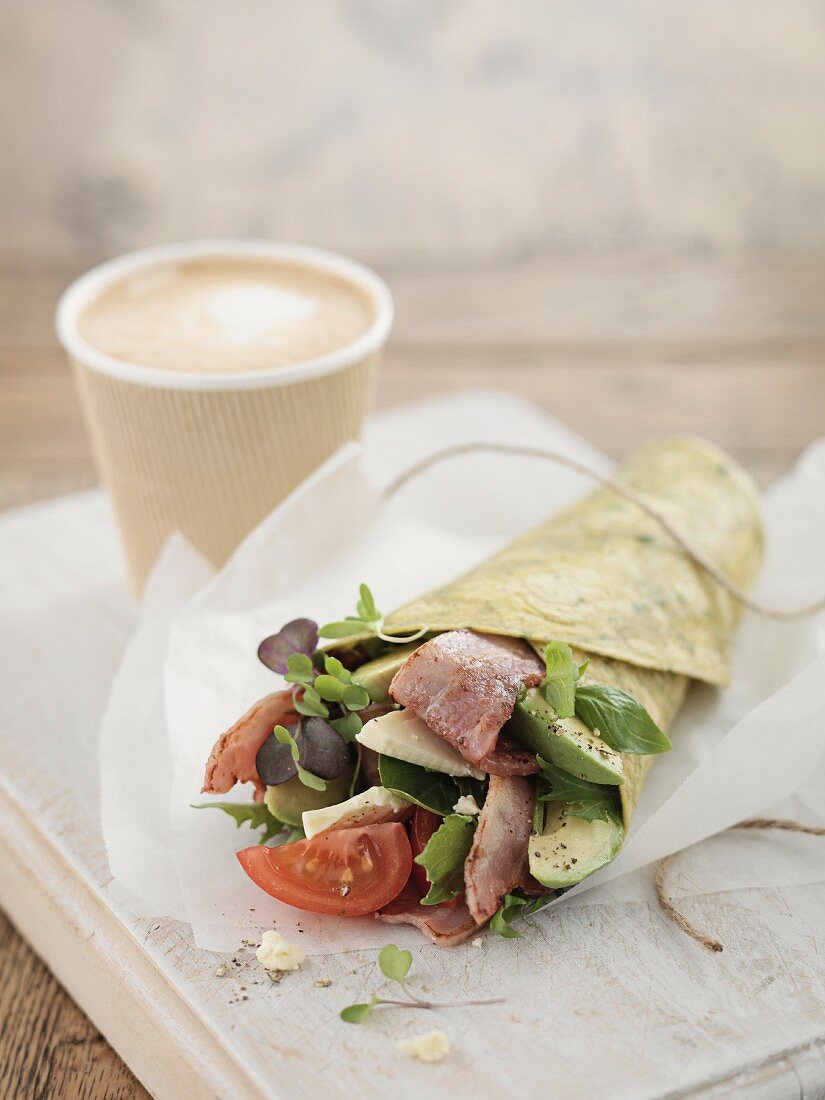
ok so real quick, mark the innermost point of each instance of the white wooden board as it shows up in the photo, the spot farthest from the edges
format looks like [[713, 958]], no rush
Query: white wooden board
[[600, 1001]]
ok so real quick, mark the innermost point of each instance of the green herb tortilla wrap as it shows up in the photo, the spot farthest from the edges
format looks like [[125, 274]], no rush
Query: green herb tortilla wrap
[[494, 736], [605, 578]]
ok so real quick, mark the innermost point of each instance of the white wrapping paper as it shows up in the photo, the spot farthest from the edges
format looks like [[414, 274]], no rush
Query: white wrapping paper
[[191, 670]]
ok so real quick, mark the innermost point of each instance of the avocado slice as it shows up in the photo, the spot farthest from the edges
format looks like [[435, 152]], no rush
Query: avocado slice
[[376, 676], [288, 800], [570, 848], [565, 742]]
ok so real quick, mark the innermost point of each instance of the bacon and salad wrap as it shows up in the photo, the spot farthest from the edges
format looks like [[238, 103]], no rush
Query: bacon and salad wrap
[[464, 759]]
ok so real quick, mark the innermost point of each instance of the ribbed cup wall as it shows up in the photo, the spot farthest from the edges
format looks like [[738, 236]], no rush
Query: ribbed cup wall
[[212, 463]]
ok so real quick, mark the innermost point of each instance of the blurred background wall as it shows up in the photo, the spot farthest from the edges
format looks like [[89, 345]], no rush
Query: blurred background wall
[[614, 209], [413, 132]]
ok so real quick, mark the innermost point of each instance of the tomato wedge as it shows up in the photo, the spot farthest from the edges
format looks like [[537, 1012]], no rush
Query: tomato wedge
[[424, 824], [342, 872]]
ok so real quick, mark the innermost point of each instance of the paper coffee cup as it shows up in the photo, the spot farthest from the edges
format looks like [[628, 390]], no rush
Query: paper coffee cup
[[210, 454]]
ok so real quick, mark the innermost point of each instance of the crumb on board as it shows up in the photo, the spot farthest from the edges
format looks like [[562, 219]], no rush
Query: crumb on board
[[432, 1046], [276, 954]]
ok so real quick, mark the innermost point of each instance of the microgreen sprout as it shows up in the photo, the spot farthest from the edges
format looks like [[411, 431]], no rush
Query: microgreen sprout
[[356, 771], [307, 778], [395, 964], [367, 620], [322, 685], [348, 726], [513, 908]]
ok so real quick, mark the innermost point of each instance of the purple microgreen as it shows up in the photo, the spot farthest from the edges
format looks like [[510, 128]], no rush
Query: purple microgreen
[[330, 689], [307, 778], [274, 763], [310, 748], [322, 749], [297, 636], [355, 697]]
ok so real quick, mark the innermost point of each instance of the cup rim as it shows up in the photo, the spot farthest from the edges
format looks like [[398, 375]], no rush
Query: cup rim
[[89, 285]]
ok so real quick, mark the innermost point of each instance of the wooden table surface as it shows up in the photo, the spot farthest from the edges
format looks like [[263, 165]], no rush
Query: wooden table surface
[[620, 348]]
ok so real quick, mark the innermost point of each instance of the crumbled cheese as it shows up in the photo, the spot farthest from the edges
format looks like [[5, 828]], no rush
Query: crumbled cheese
[[467, 805], [276, 954], [432, 1046], [477, 942]]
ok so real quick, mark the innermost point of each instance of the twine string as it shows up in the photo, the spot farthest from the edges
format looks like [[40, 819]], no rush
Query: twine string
[[666, 901], [695, 554]]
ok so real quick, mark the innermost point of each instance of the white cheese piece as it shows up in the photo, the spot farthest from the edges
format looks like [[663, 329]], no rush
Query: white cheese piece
[[467, 805], [406, 737], [432, 1046], [371, 807], [276, 954]]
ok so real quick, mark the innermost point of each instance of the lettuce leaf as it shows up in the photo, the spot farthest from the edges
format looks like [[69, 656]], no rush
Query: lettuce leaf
[[443, 858], [433, 791], [559, 684], [254, 814]]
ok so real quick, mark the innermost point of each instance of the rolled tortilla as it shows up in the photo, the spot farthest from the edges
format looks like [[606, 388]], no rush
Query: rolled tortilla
[[604, 577]]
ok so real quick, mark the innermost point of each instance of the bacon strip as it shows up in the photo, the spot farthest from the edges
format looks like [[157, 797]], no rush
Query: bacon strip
[[443, 925], [232, 759], [464, 686], [497, 862]]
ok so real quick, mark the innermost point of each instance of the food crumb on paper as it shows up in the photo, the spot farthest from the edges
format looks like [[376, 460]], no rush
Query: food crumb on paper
[[477, 942], [324, 983], [221, 970], [276, 954], [432, 1046]]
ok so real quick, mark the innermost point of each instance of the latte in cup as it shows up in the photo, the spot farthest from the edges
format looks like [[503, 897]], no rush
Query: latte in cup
[[225, 314], [214, 377]]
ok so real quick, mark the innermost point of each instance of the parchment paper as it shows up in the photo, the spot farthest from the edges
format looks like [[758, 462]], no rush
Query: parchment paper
[[191, 671]]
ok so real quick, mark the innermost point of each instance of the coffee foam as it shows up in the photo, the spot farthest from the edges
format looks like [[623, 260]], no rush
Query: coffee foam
[[225, 315]]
